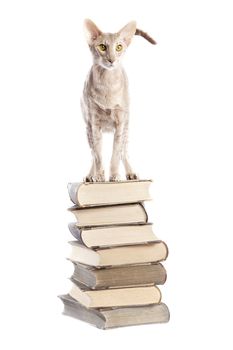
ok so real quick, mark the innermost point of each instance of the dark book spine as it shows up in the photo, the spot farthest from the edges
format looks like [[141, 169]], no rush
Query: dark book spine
[[84, 275], [73, 309]]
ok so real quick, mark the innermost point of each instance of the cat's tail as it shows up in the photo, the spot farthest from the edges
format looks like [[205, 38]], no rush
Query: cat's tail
[[145, 36]]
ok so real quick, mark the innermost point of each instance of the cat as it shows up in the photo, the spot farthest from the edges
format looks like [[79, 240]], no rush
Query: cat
[[105, 101]]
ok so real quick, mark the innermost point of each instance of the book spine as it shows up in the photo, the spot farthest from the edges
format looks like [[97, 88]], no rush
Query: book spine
[[145, 212], [75, 231], [74, 309], [73, 192], [167, 251], [84, 275]]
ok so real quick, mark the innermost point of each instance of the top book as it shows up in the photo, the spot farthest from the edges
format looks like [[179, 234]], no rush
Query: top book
[[86, 194]]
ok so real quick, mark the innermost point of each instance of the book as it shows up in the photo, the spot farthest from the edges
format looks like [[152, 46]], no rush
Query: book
[[116, 256], [131, 275], [113, 297], [124, 255], [110, 215], [104, 236], [105, 318], [107, 193]]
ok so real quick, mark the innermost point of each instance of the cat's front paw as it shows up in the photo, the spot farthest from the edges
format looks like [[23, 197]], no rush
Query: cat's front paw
[[99, 178], [94, 178], [131, 176], [88, 178], [114, 178]]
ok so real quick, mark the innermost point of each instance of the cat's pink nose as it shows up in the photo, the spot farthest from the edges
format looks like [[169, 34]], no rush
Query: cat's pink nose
[[110, 61]]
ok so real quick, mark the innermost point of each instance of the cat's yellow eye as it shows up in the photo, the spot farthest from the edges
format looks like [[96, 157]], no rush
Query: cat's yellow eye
[[102, 47], [119, 47]]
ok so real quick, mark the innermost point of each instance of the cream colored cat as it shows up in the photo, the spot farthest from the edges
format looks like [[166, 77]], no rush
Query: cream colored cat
[[105, 101]]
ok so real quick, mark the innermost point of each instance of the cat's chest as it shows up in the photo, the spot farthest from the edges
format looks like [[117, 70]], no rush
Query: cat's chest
[[109, 98], [109, 91]]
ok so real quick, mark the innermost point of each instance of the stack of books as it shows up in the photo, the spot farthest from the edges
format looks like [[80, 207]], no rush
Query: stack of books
[[116, 256]]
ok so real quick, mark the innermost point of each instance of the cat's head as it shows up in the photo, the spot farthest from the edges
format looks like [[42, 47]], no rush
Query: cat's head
[[108, 48]]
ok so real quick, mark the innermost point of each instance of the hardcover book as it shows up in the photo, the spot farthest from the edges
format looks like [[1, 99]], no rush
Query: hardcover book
[[105, 318], [129, 275], [133, 254], [110, 215], [106, 193], [113, 297], [116, 256], [105, 236]]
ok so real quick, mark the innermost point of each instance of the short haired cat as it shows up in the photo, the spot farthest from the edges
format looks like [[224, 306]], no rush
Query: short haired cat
[[105, 101]]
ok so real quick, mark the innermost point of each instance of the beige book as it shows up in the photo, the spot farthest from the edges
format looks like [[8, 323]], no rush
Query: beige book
[[134, 254], [107, 193], [106, 318], [110, 215], [105, 236], [115, 297]]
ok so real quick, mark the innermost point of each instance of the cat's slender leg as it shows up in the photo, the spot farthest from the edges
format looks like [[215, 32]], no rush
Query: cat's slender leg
[[117, 146], [91, 174], [94, 136], [97, 153], [130, 175], [116, 154]]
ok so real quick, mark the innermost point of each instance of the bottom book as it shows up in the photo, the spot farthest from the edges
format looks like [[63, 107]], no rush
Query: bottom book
[[105, 318]]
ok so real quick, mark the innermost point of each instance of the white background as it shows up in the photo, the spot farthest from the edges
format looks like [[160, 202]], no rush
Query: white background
[[180, 136]]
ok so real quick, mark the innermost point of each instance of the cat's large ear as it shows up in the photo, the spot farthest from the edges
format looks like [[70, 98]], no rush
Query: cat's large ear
[[127, 32], [91, 31]]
